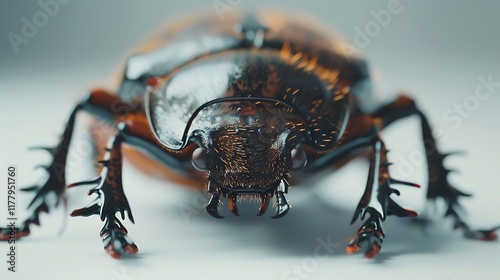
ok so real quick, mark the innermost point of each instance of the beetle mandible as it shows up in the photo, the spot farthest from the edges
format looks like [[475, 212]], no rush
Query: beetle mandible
[[241, 104]]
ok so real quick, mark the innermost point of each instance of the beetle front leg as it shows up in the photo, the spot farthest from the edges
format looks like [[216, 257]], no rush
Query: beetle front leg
[[376, 201], [110, 200]]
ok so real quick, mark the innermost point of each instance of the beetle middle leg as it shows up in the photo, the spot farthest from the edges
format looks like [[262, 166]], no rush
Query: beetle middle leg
[[99, 103], [439, 186], [55, 183]]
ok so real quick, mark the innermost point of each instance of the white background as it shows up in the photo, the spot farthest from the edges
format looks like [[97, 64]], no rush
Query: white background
[[433, 51]]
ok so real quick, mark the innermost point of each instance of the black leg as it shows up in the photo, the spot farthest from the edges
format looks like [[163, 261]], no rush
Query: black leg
[[55, 184], [99, 103], [110, 200], [377, 203], [439, 186]]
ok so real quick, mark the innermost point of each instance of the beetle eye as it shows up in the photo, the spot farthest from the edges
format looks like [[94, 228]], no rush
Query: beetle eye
[[199, 159], [299, 159]]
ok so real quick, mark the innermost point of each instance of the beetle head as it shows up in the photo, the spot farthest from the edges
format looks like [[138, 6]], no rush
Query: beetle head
[[250, 153]]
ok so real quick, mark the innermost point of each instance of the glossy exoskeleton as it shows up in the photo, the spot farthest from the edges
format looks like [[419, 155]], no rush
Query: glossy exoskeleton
[[239, 104]]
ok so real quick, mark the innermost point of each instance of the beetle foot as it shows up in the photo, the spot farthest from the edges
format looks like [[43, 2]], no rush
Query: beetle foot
[[40, 200], [115, 239], [368, 242], [484, 235], [13, 233], [440, 187], [281, 203], [369, 238]]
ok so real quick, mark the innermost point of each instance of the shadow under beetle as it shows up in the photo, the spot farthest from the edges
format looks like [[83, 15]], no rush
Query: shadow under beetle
[[246, 100]]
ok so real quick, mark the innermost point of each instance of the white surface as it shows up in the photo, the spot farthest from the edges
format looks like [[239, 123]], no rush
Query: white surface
[[434, 51]]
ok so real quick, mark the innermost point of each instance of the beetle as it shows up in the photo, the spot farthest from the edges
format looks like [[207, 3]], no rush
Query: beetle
[[240, 105]]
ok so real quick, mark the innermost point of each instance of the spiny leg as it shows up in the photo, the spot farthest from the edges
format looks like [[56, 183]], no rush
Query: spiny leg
[[55, 184], [376, 201], [110, 200], [110, 196], [99, 102], [439, 186]]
